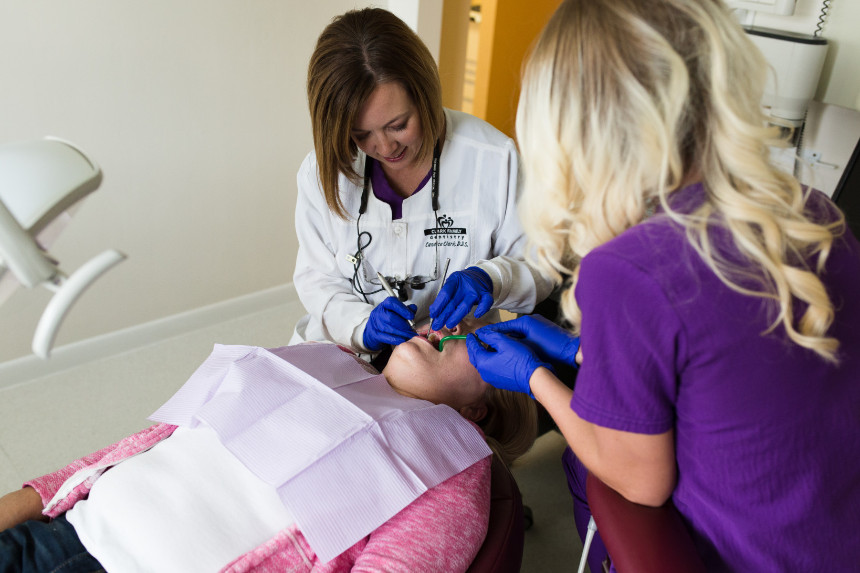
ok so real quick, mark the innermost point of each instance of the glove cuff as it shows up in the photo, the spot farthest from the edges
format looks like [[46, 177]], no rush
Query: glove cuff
[[481, 275], [538, 364], [370, 342]]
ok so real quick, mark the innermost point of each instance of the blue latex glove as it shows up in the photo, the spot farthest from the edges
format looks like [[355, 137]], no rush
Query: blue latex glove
[[463, 290], [553, 342], [508, 364], [388, 324]]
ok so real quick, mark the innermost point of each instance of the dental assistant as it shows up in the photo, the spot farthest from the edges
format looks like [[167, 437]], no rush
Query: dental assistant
[[398, 185], [716, 297]]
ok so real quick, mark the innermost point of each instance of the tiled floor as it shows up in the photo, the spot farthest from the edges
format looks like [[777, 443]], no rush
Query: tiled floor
[[48, 422]]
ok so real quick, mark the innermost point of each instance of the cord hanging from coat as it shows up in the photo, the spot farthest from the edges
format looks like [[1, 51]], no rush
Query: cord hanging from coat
[[361, 236]]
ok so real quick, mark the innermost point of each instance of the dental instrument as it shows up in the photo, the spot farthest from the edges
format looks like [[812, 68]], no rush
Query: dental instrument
[[441, 284], [391, 292], [444, 276], [444, 339]]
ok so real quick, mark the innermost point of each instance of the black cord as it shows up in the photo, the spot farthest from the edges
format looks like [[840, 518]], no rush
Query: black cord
[[357, 258], [434, 186], [359, 252], [822, 17]]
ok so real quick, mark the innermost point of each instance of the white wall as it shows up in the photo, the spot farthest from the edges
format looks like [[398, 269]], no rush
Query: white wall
[[196, 111], [423, 17]]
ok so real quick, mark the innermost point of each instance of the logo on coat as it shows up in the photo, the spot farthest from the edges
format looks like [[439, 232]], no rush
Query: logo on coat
[[445, 234]]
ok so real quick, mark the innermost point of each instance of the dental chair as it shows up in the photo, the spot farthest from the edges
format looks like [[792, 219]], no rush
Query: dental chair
[[502, 551], [41, 183], [640, 538]]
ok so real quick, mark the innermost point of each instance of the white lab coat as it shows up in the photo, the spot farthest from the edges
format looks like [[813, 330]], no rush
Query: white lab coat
[[479, 225]]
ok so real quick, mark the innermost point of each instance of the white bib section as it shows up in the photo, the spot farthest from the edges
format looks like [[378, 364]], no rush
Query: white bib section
[[344, 451], [193, 507]]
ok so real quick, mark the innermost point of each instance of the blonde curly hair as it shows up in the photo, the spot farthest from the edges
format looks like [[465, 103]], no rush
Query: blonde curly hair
[[625, 102]]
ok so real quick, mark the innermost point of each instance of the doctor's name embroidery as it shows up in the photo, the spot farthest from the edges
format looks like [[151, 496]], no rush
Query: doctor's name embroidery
[[445, 234]]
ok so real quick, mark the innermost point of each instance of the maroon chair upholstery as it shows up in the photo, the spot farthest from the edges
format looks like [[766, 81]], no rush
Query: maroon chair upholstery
[[502, 551], [639, 538]]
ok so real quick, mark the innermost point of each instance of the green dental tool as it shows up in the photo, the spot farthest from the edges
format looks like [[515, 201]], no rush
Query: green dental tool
[[450, 337]]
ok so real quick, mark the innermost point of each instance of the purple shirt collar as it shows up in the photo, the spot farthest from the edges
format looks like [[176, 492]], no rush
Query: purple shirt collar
[[384, 192]]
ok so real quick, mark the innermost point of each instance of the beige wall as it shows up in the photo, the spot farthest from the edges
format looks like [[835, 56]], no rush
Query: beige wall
[[196, 111]]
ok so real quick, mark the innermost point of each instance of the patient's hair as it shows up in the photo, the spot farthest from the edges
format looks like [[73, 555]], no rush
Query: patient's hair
[[623, 103], [510, 426], [354, 54]]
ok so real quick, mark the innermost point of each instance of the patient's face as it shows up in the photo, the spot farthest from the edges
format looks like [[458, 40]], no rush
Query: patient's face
[[417, 368]]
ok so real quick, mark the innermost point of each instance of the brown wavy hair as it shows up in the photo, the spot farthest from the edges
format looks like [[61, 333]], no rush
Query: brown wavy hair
[[355, 53]]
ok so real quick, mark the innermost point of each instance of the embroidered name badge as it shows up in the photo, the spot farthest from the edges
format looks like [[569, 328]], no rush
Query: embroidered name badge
[[445, 234]]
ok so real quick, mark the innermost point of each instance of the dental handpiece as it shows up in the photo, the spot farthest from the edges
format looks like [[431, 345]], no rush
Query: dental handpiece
[[391, 292]]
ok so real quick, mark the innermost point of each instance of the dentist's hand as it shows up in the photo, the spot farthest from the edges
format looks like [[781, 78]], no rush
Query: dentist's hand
[[463, 290], [508, 365], [553, 342], [388, 324]]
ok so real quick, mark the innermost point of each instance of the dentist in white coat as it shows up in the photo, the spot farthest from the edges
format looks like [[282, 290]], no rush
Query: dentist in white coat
[[398, 185]]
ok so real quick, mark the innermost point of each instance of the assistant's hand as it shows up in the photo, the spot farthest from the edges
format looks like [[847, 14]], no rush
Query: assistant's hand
[[509, 364], [555, 343], [388, 324], [463, 290]]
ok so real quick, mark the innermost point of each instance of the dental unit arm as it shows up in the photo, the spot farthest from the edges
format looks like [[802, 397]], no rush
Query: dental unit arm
[[795, 60], [40, 181]]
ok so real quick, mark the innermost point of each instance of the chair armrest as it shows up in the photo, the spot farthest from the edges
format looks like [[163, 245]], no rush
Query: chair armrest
[[641, 538]]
